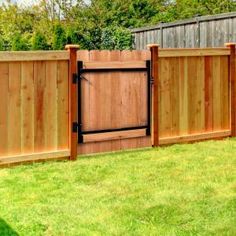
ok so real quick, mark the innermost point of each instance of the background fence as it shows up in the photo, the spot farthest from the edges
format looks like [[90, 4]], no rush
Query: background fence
[[52, 102], [205, 31]]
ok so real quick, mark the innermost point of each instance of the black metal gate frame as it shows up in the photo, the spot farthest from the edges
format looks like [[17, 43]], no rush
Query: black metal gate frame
[[81, 71]]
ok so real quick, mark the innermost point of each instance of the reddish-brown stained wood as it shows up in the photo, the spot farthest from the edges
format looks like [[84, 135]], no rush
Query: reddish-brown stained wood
[[72, 100], [62, 105], [208, 94], [155, 116], [4, 85], [14, 109], [27, 107], [225, 100], [39, 105], [232, 78]]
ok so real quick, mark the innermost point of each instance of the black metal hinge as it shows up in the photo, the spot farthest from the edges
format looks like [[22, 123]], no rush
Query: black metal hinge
[[152, 80], [75, 127], [75, 78]]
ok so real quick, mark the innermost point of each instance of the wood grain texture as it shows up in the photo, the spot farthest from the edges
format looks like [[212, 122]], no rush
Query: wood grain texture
[[114, 135], [73, 102], [195, 137], [27, 107], [39, 105], [194, 95], [50, 108], [208, 93], [33, 56], [35, 104], [62, 105], [14, 108], [232, 81], [4, 77], [35, 157], [194, 52], [113, 100]]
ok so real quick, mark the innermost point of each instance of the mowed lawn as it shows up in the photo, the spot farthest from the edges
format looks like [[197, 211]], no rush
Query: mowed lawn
[[177, 190]]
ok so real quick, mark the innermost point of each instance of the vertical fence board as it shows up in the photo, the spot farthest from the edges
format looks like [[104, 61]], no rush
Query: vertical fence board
[[232, 82], [50, 110], [129, 95], [208, 94], [14, 105], [27, 108], [63, 105], [174, 80], [165, 106], [224, 75], [216, 94], [4, 76], [183, 96], [39, 105]]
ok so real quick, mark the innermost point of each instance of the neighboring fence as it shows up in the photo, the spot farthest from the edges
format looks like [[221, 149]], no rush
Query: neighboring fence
[[34, 107], [56, 105], [205, 31]]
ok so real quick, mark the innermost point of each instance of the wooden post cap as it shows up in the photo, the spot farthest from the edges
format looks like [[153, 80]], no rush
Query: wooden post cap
[[230, 44], [72, 46], [152, 45]]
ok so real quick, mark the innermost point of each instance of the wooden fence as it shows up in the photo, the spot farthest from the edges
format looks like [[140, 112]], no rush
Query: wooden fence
[[56, 105], [194, 95], [34, 107], [200, 32]]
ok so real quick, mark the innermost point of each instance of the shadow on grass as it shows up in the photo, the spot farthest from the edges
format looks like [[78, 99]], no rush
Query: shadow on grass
[[6, 230]]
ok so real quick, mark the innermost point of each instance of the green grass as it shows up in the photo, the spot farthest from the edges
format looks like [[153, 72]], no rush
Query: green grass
[[177, 190]]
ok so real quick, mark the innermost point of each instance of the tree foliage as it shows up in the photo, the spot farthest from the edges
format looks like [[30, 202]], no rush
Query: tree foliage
[[39, 41], [59, 37], [94, 24]]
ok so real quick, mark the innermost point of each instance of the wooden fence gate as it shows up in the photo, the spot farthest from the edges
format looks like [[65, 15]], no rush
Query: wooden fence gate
[[114, 94]]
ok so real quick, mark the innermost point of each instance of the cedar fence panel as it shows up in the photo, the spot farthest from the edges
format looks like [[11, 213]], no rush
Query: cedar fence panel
[[194, 94], [34, 106]]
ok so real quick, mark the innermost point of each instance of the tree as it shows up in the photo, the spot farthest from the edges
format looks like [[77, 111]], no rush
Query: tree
[[39, 42], [94, 24], [116, 38], [1, 44], [59, 37], [19, 43]]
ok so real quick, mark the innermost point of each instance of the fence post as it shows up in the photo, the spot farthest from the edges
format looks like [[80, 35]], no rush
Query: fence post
[[232, 80], [73, 136], [155, 113]]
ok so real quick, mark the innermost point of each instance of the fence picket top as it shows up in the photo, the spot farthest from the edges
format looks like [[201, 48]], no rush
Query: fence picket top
[[34, 56], [183, 52]]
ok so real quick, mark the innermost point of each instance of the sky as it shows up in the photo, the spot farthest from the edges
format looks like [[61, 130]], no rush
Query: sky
[[25, 2]]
